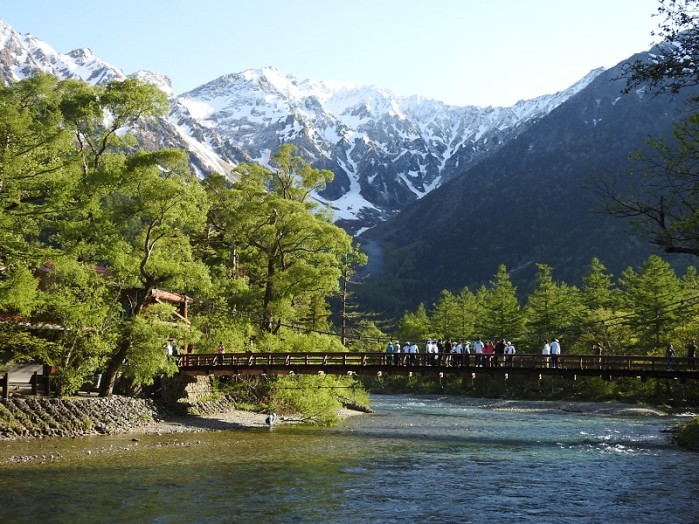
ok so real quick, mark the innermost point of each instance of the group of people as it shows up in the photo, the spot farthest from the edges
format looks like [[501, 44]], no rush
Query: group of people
[[691, 348], [171, 348], [451, 353], [552, 353]]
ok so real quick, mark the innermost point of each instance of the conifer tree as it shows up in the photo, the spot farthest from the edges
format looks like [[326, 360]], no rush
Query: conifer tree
[[445, 320], [652, 296], [466, 314], [553, 310], [502, 314], [414, 326], [600, 299]]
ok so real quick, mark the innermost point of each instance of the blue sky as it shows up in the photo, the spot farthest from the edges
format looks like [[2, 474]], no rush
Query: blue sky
[[481, 52]]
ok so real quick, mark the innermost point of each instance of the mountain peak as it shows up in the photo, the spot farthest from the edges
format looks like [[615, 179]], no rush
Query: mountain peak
[[82, 55], [161, 81]]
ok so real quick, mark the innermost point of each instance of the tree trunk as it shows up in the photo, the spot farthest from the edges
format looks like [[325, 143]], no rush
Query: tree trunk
[[269, 295], [112, 372]]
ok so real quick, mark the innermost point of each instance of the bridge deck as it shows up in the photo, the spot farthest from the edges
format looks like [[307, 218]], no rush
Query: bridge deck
[[638, 366]]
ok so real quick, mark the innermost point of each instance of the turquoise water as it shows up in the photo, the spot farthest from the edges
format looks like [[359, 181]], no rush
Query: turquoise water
[[416, 460]]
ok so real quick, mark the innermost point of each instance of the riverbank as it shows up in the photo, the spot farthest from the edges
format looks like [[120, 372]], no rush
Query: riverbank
[[35, 418]]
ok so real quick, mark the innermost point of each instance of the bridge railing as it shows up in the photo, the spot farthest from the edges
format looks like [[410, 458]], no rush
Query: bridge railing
[[527, 361]]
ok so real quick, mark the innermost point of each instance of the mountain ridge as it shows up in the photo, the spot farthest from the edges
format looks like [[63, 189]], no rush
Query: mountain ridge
[[386, 151], [529, 203]]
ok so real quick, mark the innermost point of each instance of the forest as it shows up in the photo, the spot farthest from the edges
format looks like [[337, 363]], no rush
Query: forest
[[93, 222]]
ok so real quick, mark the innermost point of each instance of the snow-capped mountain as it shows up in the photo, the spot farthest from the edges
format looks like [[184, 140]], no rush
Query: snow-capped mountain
[[386, 151], [24, 55]]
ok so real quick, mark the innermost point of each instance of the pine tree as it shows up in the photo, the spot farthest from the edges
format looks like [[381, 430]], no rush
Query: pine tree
[[502, 314], [553, 310], [652, 297]]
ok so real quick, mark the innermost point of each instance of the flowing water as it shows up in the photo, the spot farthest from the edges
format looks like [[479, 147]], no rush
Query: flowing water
[[418, 459]]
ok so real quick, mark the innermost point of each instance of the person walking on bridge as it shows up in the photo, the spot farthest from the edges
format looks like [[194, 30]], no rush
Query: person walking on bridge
[[509, 354], [478, 350], [406, 353], [220, 350], [546, 351], [389, 353], [555, 353], [413, 354], [597, 352], [670, 355], [691, 354]]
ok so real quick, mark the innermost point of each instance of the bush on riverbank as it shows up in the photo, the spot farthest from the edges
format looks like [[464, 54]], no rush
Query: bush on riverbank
[[688, 435], [312, 398]]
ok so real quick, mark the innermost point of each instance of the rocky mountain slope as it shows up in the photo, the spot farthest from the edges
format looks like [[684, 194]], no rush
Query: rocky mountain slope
[[386, 151], [530, 202]]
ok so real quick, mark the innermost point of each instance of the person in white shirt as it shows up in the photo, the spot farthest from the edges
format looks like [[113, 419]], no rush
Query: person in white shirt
[[555, 348], [546, 351], [509, 353], [434, 357], [413, 354], [428, 352], [467, 354], [458, 350], [478, 350]]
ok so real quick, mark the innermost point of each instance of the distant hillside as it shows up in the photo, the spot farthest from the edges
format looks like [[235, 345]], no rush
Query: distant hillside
[[528, 203]]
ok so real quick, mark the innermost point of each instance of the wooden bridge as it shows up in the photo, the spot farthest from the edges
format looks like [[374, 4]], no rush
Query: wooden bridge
[[378, 364]]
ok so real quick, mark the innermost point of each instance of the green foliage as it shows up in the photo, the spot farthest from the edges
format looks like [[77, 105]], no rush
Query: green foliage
[[672, 68], [553, 309], [147, 334], [266, 229], [21, 345], [292, 341], [597, 287], [414, 326], [501, 314], [367, 338], [688, 436], [19, 292], [312, 397], [651, 296]]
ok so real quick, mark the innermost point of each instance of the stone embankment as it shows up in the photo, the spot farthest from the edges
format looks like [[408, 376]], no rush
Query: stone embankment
[[49, 417], [37, 417]]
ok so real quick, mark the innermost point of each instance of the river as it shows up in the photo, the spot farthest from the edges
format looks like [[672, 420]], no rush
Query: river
[[418, 459]]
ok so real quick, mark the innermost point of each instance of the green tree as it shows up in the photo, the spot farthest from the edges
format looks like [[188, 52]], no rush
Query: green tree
[[598, 287], [466, 314], [553, 309], [445, 317], [502, 314], [40, 190], [661, 194], [131, 211], [414, 326], [651, 296], [600, 299], [672, 66], [351, 261], [289, 249], [689, 306], [37, 177]]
